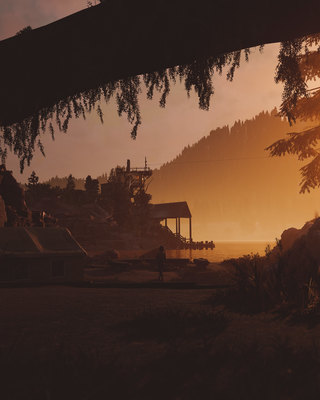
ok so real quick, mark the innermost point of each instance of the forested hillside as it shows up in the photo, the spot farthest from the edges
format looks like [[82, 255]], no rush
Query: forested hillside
[[235, 191]]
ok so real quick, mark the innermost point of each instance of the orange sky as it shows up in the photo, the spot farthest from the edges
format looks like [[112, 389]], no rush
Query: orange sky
[[92, 148]]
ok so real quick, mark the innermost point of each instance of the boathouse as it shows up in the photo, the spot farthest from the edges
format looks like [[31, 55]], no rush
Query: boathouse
[[34, 254], [177, 210]]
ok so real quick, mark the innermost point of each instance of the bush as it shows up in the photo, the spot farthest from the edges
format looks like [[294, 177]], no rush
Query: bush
[[256, 285]]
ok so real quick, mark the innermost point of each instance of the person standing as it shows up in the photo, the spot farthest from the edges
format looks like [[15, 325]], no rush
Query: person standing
[[161, 259]]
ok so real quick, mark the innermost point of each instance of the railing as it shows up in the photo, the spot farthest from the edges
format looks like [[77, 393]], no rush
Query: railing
[[142, 169], [180, 237], [190, 244]]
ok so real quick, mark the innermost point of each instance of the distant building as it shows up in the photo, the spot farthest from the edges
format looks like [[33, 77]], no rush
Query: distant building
[[37, 254], [134, 178]]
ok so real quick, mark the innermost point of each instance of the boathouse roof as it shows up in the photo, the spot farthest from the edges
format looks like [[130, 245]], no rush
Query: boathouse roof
[[178, 209]]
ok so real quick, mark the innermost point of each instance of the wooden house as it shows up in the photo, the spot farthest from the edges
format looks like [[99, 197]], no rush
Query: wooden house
[[35, 254]]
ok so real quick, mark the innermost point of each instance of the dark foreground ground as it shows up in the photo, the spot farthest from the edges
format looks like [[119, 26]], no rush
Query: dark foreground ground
[[60, 342]]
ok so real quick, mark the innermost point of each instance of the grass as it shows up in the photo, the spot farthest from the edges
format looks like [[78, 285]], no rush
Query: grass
[[193, 370], [174, 327], [61, 343]]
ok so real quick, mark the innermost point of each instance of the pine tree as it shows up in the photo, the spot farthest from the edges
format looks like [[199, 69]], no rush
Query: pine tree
[[70, 183], [33, 179], [92, 188], [88, 183], [298, 64]]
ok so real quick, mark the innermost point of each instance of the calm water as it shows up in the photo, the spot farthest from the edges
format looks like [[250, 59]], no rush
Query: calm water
[[223, 250]]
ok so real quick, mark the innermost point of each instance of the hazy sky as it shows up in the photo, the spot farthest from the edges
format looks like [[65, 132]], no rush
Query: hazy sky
[[92, 148]]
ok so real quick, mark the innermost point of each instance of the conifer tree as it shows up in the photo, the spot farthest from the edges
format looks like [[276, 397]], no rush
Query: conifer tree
[[92, 188], [299, 63], [71, 185], [33, 179]]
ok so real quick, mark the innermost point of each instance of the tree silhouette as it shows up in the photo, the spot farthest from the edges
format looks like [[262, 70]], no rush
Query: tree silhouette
[[92, 188], [299, 63], [117, 196], [33, 179], [88, 183], [24, 30], [141, 209], [70, 183]]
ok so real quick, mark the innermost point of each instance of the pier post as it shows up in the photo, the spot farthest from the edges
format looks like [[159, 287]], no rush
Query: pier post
[[190, 231]]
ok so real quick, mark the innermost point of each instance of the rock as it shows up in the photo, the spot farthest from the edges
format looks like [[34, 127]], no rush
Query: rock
[[289, 236]]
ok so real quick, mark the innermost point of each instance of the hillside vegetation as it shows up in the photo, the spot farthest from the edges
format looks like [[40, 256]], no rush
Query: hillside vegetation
[[235, 191]]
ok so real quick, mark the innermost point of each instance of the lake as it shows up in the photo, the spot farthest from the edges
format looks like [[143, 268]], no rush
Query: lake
[[223, 250]]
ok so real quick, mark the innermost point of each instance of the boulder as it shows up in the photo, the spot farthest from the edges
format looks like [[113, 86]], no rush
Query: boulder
[[289, 236]]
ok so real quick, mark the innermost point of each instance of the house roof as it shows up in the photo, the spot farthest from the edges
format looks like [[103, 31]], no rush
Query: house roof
[[37, 242], [170, 210]]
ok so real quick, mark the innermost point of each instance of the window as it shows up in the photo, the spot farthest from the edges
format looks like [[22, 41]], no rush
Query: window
[[57, 268], [21, 271]]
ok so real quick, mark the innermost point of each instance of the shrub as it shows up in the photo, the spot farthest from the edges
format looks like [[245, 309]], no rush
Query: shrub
[[256, 285]]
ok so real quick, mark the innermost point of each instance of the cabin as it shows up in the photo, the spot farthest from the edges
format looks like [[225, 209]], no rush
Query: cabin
[[40, 255]]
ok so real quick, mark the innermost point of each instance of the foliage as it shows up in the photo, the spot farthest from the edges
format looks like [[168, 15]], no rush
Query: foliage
[[299, 271], [23, 137], [256, 285], [33, 179], [120, 197], [38, 191], [117, 196], [92, 188], [285, 279], [80, 182], [141, 210], [24, 30], [70, 183], [298, 64], [127, 203], [288, 72]]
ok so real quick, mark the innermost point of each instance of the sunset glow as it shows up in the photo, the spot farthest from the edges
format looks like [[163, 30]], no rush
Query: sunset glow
[[92, 148]]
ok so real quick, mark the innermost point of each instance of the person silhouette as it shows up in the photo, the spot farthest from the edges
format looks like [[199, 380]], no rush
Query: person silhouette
[[160, 259]]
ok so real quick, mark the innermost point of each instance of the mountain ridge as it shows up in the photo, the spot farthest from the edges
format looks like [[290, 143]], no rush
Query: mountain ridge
[[234, 190]]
